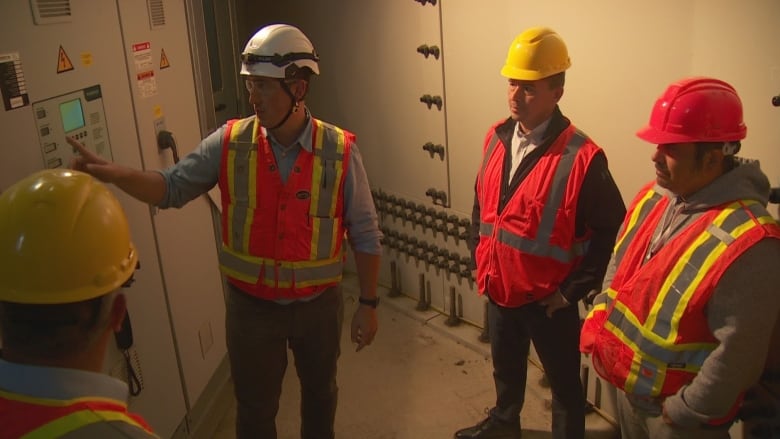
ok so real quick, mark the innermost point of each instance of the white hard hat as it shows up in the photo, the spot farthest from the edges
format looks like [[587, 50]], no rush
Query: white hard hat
[[278, 51]]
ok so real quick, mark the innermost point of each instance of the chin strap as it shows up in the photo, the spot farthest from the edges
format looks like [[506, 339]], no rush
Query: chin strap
[[293, 108]]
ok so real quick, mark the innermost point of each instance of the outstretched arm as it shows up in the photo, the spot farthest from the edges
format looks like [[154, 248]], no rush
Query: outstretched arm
[[146, 186]]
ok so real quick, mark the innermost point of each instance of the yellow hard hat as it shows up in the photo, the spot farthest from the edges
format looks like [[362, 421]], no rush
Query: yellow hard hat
[[63, 238], [535, 54]]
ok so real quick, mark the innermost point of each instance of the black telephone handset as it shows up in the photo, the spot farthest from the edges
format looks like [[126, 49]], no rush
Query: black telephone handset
[[124, 337], [124, 341]]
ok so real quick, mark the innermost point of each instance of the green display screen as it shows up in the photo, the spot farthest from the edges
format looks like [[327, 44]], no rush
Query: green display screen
[[72, 115]]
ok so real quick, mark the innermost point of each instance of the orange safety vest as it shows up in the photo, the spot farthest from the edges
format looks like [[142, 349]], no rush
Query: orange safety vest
[[648, 335], [30, 418], [282, 240], [527, 250]]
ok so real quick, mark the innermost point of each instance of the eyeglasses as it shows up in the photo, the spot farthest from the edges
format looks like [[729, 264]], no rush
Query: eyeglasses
[[265, 86]]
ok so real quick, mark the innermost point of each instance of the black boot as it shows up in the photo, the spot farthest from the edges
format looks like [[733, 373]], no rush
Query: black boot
[[491, 428]]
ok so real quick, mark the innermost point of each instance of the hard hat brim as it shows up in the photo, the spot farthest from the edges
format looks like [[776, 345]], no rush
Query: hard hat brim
[[658, 137]]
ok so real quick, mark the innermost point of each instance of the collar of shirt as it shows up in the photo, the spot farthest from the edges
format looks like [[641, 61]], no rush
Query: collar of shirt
[[59, 383], [534, 137], [524, 143], [303, 140]]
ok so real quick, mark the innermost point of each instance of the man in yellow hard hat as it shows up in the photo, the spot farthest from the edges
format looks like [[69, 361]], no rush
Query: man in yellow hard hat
[[66, 253], [545, 217]]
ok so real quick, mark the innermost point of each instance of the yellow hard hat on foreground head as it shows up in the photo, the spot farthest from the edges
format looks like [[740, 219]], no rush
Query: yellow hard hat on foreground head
[[63, 238], [535, 54]]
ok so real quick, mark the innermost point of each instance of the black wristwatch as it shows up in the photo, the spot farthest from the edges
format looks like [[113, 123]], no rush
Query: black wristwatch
[[369, 302]]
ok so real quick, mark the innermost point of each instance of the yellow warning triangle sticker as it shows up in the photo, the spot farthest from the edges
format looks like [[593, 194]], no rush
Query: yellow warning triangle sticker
[[63, 62], [164, 63]]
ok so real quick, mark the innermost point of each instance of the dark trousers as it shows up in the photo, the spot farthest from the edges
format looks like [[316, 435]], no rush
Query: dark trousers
[[556, 340], [258, 335]]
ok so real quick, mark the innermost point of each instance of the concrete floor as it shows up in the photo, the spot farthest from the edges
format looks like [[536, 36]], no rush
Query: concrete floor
[[420, 379]]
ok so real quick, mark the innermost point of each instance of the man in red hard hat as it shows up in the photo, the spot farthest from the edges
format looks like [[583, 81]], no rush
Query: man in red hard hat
[[683, 324]]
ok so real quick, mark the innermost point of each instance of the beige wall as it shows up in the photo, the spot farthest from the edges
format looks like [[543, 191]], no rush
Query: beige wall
[[623, 54]]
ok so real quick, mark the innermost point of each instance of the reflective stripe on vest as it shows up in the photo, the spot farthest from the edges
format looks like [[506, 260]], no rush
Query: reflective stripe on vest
[[488, 153], [328, 168], [654, 341], [643, 208], [47, 418], [280, 274], [77, 421], [242, 184], [540, 246]]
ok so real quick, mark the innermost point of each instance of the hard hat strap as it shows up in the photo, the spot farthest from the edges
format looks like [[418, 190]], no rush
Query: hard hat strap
[[277, 59], [293, 107]]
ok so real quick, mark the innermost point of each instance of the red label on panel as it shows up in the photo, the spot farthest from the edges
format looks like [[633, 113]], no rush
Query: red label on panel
[[141, 46]]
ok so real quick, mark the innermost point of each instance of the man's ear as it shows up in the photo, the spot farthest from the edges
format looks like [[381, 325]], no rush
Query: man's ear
[[299, 89], [558, 94]]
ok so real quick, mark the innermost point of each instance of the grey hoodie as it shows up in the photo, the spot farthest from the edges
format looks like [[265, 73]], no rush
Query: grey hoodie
[[742, 310]]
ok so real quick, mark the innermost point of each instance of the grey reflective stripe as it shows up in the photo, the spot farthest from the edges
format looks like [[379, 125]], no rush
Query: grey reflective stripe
[[644, 211], [312, 274], [282, 272], [560, 178], [644, 386], [239, 265], [537, 248], [325, 237], [329, 157], [109, 430], [540, 245], [488, 153], [693, 267], [686, 357], [243, 146], [721, 234], [485, 229]]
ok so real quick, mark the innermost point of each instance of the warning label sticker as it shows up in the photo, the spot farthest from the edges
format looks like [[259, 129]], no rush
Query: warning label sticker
[[147, 84], [63, 62], [164, 63], [142, 56], [12, 84]]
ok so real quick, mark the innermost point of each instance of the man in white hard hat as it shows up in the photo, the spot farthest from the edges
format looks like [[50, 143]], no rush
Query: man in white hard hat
[[66, 254], [292, 187]]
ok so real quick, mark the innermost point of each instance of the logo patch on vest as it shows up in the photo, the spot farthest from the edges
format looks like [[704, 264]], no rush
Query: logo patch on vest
[[302, 195]]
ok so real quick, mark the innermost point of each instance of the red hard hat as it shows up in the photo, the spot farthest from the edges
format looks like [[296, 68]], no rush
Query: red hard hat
[[696, 110]]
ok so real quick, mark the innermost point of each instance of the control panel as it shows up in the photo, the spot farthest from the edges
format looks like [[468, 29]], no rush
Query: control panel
[[78, 114]]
